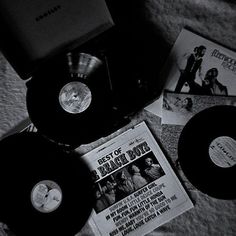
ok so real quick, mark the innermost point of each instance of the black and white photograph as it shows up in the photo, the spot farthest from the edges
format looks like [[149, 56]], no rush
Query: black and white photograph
[[127, 180], [117, 118]]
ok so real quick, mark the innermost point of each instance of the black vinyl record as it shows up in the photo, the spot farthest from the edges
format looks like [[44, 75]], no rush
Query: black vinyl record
[[44, 190], [59, 119], [207, 151]]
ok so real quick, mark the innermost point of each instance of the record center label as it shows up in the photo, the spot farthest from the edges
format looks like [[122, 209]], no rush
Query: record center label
[[75, 97], [46, 196], [222, 151]]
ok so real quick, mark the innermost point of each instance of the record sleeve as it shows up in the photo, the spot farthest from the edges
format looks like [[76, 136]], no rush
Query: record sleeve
[[45, 190], [206, 150]]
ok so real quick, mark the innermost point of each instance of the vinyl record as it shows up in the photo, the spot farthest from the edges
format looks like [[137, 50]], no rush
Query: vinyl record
[[207, 151], [69, 100], [44, 190]]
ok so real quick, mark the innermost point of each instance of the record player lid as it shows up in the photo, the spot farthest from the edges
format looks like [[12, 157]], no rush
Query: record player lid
[[36, 30]]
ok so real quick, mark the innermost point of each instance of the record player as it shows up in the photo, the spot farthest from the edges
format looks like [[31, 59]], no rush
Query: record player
[[62, 48], [84, 81]]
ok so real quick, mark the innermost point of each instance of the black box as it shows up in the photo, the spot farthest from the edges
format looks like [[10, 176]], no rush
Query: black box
[[34, 31]]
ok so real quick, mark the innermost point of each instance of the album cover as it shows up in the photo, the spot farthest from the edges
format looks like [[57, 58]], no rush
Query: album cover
[[199, 66], [135, 187]]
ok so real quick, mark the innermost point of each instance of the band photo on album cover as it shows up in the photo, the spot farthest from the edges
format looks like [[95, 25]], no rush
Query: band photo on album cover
[[126, 181]]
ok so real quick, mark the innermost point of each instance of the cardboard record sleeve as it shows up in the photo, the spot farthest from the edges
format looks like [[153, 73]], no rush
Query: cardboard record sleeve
[[33, 31]]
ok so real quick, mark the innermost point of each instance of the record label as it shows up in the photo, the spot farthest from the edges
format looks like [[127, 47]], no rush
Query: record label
[[46, 196], [222, 151], [75, 97]]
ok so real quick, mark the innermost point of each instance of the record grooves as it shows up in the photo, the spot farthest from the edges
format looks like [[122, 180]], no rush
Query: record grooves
[[212, 172], [45, 190]]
